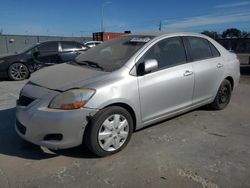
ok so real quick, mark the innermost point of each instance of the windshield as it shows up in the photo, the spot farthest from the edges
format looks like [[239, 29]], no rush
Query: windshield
[[113, 54]]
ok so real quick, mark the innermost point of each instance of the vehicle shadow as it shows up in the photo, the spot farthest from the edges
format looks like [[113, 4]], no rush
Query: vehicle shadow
[[77, 152], [12, 145], [4, 79], [202, 108], [245, 70]]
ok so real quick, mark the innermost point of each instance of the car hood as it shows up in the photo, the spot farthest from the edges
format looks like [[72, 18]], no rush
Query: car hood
[[66, 76], [8, 56]]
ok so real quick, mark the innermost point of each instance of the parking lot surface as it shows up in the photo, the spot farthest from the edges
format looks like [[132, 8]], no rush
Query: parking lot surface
[[201, 148]]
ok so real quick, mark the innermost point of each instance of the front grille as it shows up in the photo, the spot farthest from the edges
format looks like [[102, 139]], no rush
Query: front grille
[[53, 137], [20, 127], [24, 101]]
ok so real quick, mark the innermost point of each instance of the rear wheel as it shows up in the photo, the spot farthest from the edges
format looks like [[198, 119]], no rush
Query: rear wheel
[[18, 71], [223, 96], [109, 131]]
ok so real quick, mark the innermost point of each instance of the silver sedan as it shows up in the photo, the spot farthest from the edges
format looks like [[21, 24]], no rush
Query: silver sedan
[[123, 85]]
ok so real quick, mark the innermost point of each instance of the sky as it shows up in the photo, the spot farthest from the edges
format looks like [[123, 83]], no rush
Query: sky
[[83, 17]]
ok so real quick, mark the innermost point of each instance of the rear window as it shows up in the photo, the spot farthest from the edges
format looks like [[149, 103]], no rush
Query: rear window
[[199, 48]]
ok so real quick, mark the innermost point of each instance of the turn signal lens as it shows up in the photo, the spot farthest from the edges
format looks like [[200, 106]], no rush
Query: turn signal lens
[[75, 105], [71, 99]]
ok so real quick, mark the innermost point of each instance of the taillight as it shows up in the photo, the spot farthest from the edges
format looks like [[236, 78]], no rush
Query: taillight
[[238, 60]]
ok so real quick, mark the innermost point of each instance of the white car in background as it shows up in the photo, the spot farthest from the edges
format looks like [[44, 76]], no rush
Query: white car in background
[[92, 44]]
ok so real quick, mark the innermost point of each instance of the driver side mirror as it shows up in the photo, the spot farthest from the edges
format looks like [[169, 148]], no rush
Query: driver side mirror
[[148, 66]]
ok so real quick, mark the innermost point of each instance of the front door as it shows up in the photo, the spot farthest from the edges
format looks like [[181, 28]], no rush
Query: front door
[[170, 88], [46, 54]]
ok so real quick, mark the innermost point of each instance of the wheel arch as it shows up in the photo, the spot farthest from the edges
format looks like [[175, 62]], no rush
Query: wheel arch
[[23, 62], [19, 61], [128, 108], [231, 80], [90, 135]]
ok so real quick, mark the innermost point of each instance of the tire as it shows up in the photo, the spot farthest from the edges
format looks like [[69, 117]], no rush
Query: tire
[[223, 96], [105, 137], [18, 71]]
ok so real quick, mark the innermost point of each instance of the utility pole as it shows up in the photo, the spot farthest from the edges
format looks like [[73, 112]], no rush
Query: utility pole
[[160, 25], [102, 21]]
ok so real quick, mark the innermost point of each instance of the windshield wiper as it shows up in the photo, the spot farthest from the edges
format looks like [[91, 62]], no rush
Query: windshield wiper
[[89, 64]]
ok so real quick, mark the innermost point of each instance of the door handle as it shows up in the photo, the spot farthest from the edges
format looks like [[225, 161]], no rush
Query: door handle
[[219, 65], [188, 73]]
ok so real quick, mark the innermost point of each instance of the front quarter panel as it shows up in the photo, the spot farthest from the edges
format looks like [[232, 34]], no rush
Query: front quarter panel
[[118, 88]]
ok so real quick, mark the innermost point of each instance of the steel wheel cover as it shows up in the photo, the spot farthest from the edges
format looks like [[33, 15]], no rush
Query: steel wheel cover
[[113, 132], [224, 95]]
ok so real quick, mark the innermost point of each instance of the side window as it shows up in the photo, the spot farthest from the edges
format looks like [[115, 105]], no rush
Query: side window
[[48, 47], [215, 52], [199, 48], [168, 52], [70, 46]]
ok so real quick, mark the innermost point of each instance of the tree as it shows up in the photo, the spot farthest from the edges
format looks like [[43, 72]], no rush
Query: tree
[[231, 33], [211, 34]]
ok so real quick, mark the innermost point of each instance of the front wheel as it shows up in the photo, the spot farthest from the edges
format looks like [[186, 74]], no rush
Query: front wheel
[[18, 71], [223, 96], [109, 131]]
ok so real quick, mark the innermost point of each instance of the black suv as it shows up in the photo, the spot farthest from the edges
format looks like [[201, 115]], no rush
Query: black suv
[[20, 65]]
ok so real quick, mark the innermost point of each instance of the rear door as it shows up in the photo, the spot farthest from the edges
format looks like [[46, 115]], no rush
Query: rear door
[[170, 88], [207, 66]]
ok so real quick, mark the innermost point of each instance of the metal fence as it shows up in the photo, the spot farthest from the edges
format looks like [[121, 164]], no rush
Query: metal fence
[[241, 46], [14, 43]]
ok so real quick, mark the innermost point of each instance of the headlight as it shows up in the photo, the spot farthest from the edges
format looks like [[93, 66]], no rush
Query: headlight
[[1, 61], [71, 99]]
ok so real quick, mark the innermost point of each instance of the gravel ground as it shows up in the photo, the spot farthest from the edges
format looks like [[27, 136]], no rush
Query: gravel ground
[[201, 148]]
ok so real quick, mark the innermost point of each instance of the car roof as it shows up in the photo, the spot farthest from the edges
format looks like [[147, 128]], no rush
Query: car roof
[[93, 41], [158, 34], [57, 41]]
